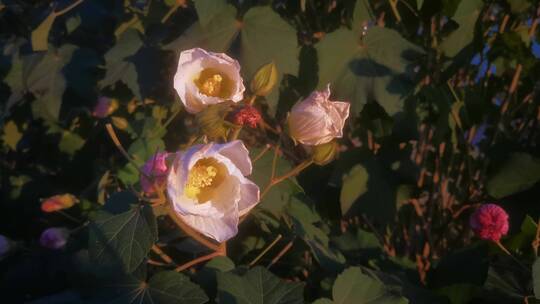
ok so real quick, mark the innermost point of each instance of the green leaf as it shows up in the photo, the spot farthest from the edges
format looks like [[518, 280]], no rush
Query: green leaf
[[279, 195], [466, 15], [43, 77], [216, 36], [354, 287], [257, 286], [117, 64], [167, 287], [71, 142], [208, 9], [125, 237], [354, 185], [536, 278], [40, 36], [11, 135], [307, 225], [173, 287], [377, 67], [518, 173]]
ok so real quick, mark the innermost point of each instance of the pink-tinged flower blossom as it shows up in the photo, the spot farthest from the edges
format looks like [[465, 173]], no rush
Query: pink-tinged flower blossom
[[208, 188], [58, 202], [154, 173], [205, 78], [317, 120], [5, 246], [54, 238], [490, 222], [105, 106], [248, 116]]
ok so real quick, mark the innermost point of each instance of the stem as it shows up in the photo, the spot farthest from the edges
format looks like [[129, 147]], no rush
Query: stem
[[393, 5], [235, 133], [67, 9], [281, 253], [220, 251], [167, 259], [295, 171], [71, 218], [190, 231], [261, 154], [265, 251], [170, 12]]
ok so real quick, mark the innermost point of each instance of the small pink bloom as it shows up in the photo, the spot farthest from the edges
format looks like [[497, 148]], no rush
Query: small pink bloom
[[104, 107], [54, 238], [248, 115], [154, 173], [317, 120], [490, 222], [58, 202]]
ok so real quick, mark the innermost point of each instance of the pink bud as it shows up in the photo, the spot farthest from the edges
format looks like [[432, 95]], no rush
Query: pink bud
[[54, 238], [154, 172], [248, 115], [58, 202], [104, 107], [490, 222]]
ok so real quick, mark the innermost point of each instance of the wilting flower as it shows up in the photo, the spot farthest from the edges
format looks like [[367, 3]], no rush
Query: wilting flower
[[154, 172], [247, 115], [490, 222], [54, 238], [317, 120], [58, 202], [5, 245], [208, 189], [104, 107], [205, 78]]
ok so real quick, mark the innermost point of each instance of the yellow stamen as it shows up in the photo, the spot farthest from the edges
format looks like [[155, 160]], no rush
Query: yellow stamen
[[212, 82], [203, 175]]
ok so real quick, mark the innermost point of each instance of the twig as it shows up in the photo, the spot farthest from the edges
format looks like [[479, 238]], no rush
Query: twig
[[219, 252], [281, 253], [255, 260], [261, 154], [68, 8], [536, 242], [162, 254]]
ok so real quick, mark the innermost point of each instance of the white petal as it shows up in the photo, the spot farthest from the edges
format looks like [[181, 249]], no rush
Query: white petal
[[237, 153], [220, 229], [249, 196]]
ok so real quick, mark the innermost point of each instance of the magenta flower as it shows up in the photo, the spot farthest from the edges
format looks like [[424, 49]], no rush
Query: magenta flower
[[54, 238], [490, 222], [154, 173]]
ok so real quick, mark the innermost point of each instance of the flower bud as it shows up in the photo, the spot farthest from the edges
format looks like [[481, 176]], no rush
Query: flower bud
[[325, 153], [247, 115], [490, 222], [58, 202], [154, 173], [317, 120], [54, 238], [212, 121], [105, 107], [264, 80]]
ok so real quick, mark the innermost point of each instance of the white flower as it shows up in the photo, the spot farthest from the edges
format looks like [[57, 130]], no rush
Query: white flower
[[317, 120], [205, 78], [208, 190]]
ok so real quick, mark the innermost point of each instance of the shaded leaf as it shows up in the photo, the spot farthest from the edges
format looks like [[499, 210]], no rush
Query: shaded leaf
[[126, 237], [354, 287], [40, 36], [519, 172], [466, 15], [257, 286], [11, 135], [354, 185]]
